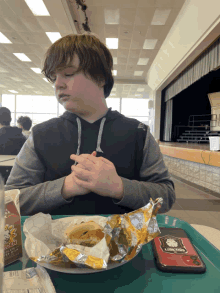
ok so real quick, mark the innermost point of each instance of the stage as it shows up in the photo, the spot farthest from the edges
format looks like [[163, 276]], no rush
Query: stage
[[194, 152]]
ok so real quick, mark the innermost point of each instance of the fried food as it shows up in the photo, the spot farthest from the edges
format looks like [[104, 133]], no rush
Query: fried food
[[86, 234]]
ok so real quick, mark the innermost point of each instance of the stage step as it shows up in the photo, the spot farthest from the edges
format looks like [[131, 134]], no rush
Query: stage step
[[192, 140]]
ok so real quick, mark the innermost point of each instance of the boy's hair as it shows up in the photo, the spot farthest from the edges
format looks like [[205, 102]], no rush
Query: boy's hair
[[25, 122], [5, 116], [95, 58]]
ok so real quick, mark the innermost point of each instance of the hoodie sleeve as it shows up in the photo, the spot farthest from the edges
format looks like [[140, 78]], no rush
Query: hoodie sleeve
[[155, 180], [27, 175]]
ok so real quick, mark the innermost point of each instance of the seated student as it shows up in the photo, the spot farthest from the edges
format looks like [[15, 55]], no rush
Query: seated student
[[25, 123], [90, 160], [11, 138]]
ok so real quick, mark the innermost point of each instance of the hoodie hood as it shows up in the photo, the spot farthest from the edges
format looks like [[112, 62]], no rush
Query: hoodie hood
[[11, 131], [109, 116]]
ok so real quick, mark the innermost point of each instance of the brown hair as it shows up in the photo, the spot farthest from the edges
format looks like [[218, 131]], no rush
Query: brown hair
[[95, 58]]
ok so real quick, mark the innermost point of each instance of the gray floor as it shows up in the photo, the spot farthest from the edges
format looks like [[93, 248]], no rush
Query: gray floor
[[195, 206]]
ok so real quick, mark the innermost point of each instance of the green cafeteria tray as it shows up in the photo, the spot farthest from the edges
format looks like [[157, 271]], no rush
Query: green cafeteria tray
[[140, 275]]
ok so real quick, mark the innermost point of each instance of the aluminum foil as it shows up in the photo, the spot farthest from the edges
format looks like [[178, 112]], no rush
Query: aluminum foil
[[124, 237]]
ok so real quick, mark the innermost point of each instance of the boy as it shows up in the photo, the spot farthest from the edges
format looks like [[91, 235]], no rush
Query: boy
[[25, 123], [117, 165], [11, 138]]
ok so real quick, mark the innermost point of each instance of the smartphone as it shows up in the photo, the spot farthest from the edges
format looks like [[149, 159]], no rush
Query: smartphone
[[174, 252]]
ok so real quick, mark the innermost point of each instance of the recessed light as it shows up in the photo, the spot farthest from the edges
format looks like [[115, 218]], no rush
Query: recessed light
[[149, 44], [112, 43], [138, 73], [45, 79], [12, 91], [143, 61], [36, 70], [37, 7], [22, 57], [4, 39], [16, 79], [114, 72], [115, 60], [28, 86], [160, 16], [53, 36], [111, 16]]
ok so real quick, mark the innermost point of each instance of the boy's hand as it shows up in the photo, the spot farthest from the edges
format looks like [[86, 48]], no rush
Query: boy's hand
[[70, 186], [97, 175]]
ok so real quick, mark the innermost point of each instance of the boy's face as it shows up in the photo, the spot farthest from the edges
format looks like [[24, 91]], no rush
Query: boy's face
[[76, 92]]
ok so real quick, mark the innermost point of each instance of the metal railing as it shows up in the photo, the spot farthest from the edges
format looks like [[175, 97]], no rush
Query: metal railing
[[212, 121]]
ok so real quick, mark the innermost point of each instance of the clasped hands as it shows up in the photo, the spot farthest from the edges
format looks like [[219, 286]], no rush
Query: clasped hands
[[97, 175]]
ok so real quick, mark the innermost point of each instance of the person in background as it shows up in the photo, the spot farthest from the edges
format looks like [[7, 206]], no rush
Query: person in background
[[25, 123], [11, 138], [90, 160]]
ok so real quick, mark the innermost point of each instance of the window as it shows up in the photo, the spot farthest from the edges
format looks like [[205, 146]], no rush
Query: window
[[134, 107], [113, 103]]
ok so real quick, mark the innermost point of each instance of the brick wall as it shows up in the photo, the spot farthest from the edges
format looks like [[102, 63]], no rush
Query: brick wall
[[200, 174]]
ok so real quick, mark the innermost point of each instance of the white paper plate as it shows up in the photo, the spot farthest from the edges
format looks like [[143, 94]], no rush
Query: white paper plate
[[81, 270]]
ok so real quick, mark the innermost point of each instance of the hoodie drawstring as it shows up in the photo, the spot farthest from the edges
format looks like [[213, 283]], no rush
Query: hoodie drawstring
[[98, 148]]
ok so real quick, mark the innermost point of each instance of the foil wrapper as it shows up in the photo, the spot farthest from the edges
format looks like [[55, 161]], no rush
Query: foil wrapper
[[124, 237]]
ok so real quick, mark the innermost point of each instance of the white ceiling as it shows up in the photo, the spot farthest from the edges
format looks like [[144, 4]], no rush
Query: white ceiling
[[138, 20]]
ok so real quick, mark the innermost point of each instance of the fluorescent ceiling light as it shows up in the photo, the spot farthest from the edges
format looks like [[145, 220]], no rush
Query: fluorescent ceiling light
[[53, 36], [37, 70], [45, 79], [22, 57], [140, 89], [111, 16], [149, 44], [37, 7], [28, 86], [143, 61], [160, 16], [4, 40], [115, 60], [12, 91], [112, 43], [2, 70], [138, 73], [115, 72], [16, 78]]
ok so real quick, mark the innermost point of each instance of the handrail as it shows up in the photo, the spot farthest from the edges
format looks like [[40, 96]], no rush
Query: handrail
[[209, 120]]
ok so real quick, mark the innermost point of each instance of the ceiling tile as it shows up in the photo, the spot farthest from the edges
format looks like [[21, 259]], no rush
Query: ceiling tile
[[19, 48], [111, 31], [137, 42], [144, 16], [123, 53], [122, 60], [177, 3], [128, 3], [4, 26], [134, 53], [98, 30], [163, 3], [125, 31], [127, 16], [36, 38], [16, 23], [172, 16], [47, 23], [146, 3], [154, 31], [94, 3], [114, 52], [132, 61], [97, 15], [124, 44]]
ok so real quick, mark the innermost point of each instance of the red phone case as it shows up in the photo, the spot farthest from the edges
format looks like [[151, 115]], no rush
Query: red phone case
[[174, 252]]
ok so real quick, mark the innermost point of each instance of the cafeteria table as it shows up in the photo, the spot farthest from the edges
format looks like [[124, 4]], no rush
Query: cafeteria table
[[140, 275]]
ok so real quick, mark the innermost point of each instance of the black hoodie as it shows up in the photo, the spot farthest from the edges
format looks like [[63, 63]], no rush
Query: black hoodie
[[11, 140]]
